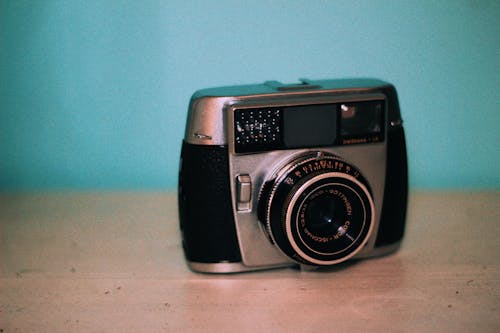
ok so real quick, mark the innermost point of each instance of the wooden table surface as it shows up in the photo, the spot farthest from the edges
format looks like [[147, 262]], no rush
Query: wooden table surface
[[112, 262]]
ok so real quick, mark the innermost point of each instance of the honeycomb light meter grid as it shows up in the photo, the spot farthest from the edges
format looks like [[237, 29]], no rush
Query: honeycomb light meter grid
[[257, 129]]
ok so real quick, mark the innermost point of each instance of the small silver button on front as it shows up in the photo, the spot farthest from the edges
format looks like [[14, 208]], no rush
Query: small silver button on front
[[244, 191]]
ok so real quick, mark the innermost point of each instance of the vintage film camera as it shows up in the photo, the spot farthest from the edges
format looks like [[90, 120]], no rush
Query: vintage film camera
[[307, 174]]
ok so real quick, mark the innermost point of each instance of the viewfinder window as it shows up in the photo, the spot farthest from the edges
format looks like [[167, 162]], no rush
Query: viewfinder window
[[310, 125]]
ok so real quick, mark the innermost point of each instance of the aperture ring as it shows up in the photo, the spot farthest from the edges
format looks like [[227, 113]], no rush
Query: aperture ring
[[293, 180]]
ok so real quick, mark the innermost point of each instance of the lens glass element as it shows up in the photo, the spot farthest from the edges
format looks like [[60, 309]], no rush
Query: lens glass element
[[322, 215]]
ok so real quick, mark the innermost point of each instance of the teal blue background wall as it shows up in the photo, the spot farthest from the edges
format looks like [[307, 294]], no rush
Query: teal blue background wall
[[93, 94]]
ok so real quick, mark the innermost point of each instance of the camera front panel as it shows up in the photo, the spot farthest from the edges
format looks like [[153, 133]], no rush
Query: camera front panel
[[266, 135]]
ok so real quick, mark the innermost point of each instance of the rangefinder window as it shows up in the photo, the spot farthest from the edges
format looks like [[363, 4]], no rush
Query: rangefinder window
[[362, 120]]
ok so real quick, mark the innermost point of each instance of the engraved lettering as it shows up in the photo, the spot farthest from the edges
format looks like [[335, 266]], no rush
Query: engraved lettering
[[353, 141], [316, 238], [339, 166], [315, 166]]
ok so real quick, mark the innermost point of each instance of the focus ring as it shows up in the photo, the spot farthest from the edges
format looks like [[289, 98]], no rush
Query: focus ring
[[290, 190]]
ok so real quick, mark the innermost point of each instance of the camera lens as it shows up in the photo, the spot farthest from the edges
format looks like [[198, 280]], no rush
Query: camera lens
[[319, 210]]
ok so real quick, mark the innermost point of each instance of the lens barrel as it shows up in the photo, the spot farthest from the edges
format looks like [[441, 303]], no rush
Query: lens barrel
[[318, 209]]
